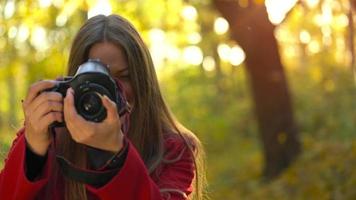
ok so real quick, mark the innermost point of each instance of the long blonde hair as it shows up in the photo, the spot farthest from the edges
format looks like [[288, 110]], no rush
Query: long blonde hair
[[150, 116]]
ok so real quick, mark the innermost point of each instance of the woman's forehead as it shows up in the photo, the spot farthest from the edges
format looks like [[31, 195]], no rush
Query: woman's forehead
[[109, 54]]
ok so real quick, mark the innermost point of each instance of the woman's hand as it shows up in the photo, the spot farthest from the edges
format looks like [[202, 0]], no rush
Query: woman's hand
[[41, 109], [106, 135]]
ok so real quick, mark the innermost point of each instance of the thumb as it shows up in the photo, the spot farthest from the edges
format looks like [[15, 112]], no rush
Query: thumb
[[110, 106]]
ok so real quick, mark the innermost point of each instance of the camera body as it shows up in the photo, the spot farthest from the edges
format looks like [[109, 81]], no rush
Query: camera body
[[91, 80]]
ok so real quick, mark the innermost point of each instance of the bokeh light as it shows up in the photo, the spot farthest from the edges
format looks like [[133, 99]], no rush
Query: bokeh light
[[61, 20], [9, 9], [304, 37], [100, 7], [314, 47], [221, 26], [224, 52], [277, 9], [311, 3], [209, 63], [237, 55], [23, 33], [193, 55], [12, 32], [39, 38], [44, 3], [189, 13], [194, 38]]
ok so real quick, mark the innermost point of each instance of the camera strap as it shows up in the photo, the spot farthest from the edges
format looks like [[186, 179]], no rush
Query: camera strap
[[91, 177], [102, 175]]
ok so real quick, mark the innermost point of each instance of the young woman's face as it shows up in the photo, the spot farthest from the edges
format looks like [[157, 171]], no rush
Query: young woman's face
[[112, 55]]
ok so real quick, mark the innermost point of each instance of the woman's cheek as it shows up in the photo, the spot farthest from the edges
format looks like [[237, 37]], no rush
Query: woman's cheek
[[128, 92]]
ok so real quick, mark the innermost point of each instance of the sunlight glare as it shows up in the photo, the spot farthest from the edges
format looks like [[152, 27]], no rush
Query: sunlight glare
[[312, 3], [44, 3], [23, 33], [9, 9], [12, 32], [172, 53], [290, 51], [221, 26], [237, 55], [39, 38], [342, 21], [157, 55], [156, 35], [194, 38], [304, 37], [102, 7], [224, 52], [327, 15], [189, 13], [326, 31], [61, 20], [313, 47], [57, 3], [209, 64], [193, 55], [277, 9]]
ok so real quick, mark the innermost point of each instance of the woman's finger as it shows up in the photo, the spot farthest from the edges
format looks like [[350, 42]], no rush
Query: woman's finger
[[51, 117], [111, 108], [70, 113], [69, 108], [71, 117], [45, 120], [43, 98], [36, 88], [49, 106]]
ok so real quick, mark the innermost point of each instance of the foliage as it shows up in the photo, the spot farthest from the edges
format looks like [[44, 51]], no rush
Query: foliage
[[320, 173], [228, 128]]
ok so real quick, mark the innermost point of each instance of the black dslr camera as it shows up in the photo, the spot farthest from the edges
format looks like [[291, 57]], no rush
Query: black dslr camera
[[91, 79]]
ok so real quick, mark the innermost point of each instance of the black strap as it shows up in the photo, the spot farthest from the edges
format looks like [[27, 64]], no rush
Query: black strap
[[94, 178]]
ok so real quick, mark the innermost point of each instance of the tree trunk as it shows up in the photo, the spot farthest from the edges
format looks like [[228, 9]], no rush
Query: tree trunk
[[252, 30]]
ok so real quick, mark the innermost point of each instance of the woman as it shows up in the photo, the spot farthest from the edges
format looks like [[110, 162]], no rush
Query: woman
[[155, 158]]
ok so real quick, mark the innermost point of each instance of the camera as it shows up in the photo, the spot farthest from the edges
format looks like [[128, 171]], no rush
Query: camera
[[91, 80]]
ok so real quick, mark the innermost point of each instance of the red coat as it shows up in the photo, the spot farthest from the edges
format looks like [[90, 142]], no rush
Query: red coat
[[131, 182]]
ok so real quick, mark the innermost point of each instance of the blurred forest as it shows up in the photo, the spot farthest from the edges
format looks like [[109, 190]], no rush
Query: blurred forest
[[204, 75]]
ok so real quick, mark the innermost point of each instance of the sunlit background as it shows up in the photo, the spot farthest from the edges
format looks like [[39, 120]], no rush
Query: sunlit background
[[165, 45], [203, 77]]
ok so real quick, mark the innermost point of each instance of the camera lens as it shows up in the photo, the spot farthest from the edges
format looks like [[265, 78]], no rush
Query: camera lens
[[87, 97], [90, 103]]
